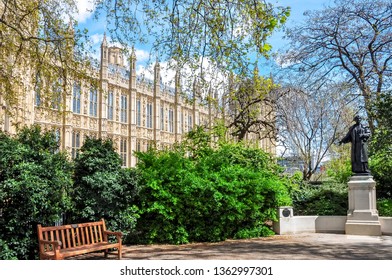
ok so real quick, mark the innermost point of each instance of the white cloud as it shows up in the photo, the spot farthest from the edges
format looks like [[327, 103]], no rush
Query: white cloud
[[145, 67], [167, 74], [146, 72], [286, 59], [96, 38], [142, 55], [85, 8]]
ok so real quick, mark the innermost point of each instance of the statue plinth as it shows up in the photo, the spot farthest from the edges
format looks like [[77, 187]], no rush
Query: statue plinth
[[362, 215]]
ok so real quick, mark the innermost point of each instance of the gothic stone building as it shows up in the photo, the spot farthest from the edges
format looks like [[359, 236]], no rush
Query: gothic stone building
[[135, 113]]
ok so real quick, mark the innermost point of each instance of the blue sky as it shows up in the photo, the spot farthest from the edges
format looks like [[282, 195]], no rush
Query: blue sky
[[298, 7]]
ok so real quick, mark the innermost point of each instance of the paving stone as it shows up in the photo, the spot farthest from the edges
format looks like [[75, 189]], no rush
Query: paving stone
[[307, 246]]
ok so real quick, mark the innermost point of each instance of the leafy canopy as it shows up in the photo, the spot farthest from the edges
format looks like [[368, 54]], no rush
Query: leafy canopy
[[190, 32], [381, 145], [40, 47]]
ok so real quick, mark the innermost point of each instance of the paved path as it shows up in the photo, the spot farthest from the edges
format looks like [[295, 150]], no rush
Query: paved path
[[309, 246]]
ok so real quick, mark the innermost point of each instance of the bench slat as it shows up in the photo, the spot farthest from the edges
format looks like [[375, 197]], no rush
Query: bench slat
[[91, 234], [78, 239], [96, 234], [99, 234], [73, 237], [63, 240], [68, 238], [87, 235]]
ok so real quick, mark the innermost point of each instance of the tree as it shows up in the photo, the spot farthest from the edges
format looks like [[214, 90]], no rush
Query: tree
[[310, 123], [252, 108], [102, 189], [35, 183], [350, 41], [40, 48], [192, 33], [339, 165]]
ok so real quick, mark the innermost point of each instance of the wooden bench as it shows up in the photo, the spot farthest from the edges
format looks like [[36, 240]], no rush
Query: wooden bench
[[60, 242]]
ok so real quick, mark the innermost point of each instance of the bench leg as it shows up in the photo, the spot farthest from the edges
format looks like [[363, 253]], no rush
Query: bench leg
[[119, 251]]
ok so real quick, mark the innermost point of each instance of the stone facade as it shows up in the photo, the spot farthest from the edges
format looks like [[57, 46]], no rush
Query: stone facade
[[135, 113]]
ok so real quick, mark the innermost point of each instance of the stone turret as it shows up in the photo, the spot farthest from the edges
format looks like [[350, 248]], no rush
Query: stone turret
[[132, 69], [132, 108], [104, 58], [157, 102]]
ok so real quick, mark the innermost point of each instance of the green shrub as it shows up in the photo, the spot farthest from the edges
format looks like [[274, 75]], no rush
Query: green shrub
[[339, 170], [381, 167], [327, 199], [102, 189], [34, 187], [381, 146], [384, 207], [339, 166], [210, 195], [6, 253]]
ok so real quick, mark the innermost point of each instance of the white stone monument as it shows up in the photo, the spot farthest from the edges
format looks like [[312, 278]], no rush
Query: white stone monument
[[362, 215]]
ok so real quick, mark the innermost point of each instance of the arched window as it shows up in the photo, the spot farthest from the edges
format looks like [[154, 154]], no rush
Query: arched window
[[75, 143], [76, 98], [93, 102], [110, 105]]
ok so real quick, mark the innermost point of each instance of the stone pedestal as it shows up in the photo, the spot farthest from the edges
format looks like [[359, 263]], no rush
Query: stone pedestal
[[284, 225], [362, 215]]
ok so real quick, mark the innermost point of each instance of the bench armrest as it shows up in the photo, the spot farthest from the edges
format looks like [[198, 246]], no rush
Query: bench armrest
[[116, 233], [55, 243], [108, 232], [55, 247]]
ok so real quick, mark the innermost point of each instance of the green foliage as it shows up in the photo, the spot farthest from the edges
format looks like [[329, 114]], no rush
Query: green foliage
[[227, 192], [31, 32], [381, 167], [34, 187], [381, 146], [188, 31], [339, 169], [197, 142], [384, 207], [330, 198], [5, 252], [294, 182], [249, 107], [102, 189]]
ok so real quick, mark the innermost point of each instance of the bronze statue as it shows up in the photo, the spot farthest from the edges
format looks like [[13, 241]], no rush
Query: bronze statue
[[358, 135]]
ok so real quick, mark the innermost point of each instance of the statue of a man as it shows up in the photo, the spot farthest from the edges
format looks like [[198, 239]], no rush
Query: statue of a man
[[358, 135]]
